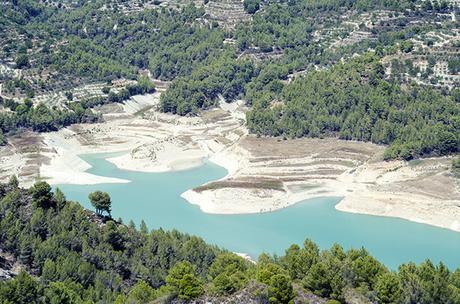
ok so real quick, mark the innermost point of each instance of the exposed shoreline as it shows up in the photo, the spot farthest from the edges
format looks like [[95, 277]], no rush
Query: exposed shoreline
[[264, 174], [358, 187]]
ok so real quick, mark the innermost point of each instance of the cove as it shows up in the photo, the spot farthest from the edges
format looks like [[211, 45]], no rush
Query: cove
[[155, 198]]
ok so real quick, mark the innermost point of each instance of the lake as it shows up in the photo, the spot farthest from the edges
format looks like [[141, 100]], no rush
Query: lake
[[155, 198]]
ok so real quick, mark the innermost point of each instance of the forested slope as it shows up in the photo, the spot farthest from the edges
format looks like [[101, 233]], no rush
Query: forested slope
[[102, 41], [353, 101], [71, 255]]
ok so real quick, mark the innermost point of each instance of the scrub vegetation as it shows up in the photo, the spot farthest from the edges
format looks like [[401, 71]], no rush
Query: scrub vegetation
[[100, 40], [67, 254]]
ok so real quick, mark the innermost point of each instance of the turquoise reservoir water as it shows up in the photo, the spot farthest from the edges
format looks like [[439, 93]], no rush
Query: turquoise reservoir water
[[155, 197]]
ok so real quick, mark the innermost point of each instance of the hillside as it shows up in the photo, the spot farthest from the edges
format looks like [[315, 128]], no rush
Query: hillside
[[296, 99], [66, 254], [216, 48]]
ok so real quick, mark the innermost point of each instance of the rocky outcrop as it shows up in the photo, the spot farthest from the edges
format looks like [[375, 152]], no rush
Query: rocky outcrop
[[6, 268]]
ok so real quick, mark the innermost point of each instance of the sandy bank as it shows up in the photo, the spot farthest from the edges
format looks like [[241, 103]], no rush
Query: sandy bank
[[266, 175], [66, 167], [152, 141], [170, 158]]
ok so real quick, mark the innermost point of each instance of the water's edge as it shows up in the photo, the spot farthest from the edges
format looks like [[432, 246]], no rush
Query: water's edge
[[155, 197]]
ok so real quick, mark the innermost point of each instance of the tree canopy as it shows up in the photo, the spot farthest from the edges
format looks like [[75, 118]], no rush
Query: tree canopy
[[69, 256], [101, 202]]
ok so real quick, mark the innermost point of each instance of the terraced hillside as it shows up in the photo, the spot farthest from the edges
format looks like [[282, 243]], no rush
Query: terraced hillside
[[267, 174], [227, 13], [23, 157], [283, 171]]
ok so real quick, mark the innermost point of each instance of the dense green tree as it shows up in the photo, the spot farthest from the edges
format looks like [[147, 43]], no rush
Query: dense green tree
[[22, 61], [317, 280], [113, 236], [13, 182], [143, 227], [266, 271], [251, 6], [60, 293], [2, 138], [42, 195], [388, 288], [141, 293], [228, 273], [406, 46], [190, 287], [22, 290], [281, 290], [101, 202], [59, 198], [182, 280], [414, 122]]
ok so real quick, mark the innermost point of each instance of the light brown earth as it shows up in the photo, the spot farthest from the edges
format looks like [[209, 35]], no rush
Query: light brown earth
[[277, 173], [264, 174]]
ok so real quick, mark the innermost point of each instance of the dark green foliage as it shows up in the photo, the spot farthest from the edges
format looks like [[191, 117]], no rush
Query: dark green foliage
[[75, 257], [251, 6], [41, 194], [388, 288], [143, 86], [352, 101], [22, 290], [22, 61], [20, 84], [2, 138], [41, 118], [63, 293], [201, 89], [406, 46], [143, 227], [281, 290], [228, 274], [182, 280], [142, 292], [100, 201], [114, 44], [454, 66], [69, 95], [13, 182], [59, 198]]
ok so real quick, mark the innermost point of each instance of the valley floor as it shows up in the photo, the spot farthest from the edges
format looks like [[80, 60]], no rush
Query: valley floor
[[264, 174]]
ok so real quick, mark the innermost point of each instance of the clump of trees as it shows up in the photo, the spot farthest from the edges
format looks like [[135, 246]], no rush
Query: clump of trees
[[200, 90], [251, 6], [72, 256], [101, 202], [143, 86], [22, 61], [2, 138], [69, 257], [353, 101], [42, 118], [24, 115]]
